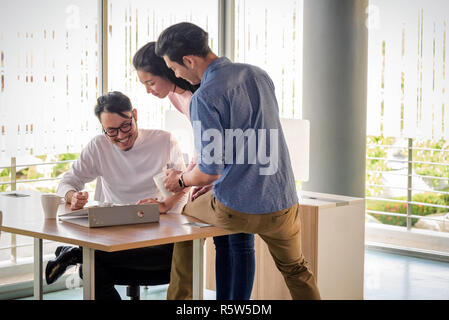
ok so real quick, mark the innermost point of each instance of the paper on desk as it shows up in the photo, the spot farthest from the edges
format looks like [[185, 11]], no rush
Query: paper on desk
[[75, 213], [198, 224], [16, 195]]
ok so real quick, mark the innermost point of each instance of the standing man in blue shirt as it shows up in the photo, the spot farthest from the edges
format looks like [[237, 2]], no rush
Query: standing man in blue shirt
[[242, 151]]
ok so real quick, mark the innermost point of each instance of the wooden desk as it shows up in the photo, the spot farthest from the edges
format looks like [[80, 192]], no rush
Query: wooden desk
[[24, 215], [332, 241]]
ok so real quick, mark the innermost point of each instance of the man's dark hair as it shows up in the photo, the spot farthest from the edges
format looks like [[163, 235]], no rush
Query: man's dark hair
[[181, 40], [146, 60], [113, 102]]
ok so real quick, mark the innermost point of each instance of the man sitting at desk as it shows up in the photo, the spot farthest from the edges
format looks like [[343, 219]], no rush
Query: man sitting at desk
[[126, 159]]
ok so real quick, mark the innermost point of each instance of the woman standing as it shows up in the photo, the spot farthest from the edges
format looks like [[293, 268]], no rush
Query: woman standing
[[235, 261]]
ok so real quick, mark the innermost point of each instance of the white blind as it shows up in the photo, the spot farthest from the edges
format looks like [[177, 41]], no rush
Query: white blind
[[269, 35], [49, 76], [407, 69]]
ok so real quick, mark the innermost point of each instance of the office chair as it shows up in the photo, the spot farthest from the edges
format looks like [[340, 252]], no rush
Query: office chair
[[137, 278], [133, 284]]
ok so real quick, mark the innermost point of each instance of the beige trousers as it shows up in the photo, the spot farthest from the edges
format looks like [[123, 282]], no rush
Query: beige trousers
[[280, 230]]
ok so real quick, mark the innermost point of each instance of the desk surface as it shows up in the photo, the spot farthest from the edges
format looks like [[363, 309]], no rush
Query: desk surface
[[326, 200], [24, 215]]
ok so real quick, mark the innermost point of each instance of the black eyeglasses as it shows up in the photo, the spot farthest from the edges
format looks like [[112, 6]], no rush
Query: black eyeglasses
[[124, 128]]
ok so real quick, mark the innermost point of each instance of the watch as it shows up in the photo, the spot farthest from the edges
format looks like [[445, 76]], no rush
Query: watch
[[181, 181]]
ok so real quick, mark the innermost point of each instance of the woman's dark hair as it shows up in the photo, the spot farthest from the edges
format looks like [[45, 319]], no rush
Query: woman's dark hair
[[113, 102], [181, 40], [146, 60]]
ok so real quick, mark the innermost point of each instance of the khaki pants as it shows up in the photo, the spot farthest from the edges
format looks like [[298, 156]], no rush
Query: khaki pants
[[280, 230]]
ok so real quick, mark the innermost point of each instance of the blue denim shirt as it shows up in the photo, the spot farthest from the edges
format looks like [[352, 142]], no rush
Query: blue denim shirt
[[238, 134]]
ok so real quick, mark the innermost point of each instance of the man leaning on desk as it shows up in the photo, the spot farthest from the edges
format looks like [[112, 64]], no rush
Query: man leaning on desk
[[126, 158]]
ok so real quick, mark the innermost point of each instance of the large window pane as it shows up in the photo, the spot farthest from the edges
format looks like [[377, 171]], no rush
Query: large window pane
[[49, 82], [408, 118]]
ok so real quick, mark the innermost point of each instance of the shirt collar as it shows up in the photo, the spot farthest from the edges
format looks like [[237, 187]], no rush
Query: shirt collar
[[214, 65]]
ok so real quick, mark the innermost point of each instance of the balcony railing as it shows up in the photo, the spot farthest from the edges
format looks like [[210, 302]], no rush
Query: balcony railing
[[410, 188], [13, 182]]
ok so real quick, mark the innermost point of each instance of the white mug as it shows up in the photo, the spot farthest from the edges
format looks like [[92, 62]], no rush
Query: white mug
[[159, 181], [50, 203]]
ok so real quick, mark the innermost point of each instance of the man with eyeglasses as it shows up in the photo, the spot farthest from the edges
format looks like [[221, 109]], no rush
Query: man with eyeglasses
[[126, 158]]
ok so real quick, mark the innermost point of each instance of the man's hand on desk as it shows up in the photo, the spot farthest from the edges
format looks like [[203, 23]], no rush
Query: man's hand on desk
[[77, 200], [162, 206]]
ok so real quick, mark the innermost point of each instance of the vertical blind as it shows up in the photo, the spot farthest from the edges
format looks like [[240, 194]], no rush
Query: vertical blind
[[49, 76], [269, 35], [407, 69]]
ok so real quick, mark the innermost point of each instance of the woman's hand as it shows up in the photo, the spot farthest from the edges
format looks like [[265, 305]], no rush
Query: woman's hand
[[171, 180], [198, 191], [161, 204]]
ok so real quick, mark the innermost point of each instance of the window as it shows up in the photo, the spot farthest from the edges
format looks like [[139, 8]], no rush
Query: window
[[49, 82], [408, 115], [49, 53]]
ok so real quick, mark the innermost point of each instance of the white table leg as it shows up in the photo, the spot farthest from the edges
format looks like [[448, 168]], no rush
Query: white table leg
[[38, 269], [88, 274], [198, 269]]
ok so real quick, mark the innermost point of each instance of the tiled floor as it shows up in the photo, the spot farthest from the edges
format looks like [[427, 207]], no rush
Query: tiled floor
[[398, 277], [149, 293], [388, 276]]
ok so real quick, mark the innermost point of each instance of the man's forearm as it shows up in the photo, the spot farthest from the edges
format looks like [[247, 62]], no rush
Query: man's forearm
[[197, 178]]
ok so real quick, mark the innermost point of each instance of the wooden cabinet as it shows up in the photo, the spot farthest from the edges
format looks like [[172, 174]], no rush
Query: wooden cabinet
[[332, 241]]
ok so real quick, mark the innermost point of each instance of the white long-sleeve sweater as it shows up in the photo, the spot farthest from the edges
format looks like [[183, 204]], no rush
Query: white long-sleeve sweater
[[126, 176]]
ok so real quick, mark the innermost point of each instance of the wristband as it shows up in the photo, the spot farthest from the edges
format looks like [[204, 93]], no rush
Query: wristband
[[181, 181]]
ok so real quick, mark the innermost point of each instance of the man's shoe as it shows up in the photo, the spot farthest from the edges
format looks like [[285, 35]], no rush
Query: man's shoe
[[65, 257]]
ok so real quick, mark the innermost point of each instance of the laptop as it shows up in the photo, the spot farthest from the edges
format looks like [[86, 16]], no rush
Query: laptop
[[111, 215]]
